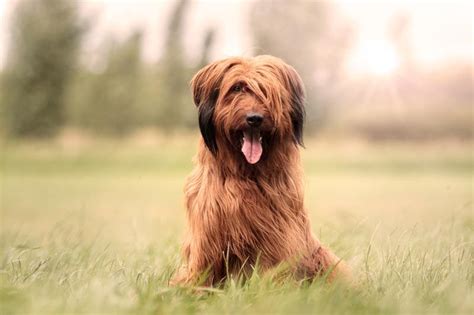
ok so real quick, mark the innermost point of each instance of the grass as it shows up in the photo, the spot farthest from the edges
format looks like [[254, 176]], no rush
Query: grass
[[96, 228]]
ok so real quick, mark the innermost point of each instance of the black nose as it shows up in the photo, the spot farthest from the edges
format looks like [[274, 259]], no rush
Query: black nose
[[254, 119]]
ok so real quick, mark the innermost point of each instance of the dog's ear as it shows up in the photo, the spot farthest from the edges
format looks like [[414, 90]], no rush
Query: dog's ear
[[205, 87], [295, 87], [206, 125]]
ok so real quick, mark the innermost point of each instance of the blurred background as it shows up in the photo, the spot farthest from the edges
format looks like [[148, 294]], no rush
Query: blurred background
[[98, 131], [377, 70]]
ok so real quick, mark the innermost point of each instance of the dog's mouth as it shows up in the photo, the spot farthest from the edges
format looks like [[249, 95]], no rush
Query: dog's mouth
[[251, 143]]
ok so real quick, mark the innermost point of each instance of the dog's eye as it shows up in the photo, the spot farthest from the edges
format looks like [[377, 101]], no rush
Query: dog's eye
[[237, 88]]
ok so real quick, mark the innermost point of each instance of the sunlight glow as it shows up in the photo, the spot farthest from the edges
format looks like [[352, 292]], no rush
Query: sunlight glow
[[377, 57]]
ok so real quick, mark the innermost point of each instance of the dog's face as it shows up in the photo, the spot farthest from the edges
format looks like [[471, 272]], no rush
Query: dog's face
[[249, 106]]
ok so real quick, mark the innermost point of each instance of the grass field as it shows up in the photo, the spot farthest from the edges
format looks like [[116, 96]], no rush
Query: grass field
[[95, 227]]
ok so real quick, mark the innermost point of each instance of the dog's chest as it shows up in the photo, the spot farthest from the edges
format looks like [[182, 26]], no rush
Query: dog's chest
[[252, 217]]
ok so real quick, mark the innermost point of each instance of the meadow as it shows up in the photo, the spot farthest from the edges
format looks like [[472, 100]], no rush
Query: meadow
[[95, 227]]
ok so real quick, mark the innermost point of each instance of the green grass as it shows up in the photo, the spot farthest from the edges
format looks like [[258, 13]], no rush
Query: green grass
[[96, 228]]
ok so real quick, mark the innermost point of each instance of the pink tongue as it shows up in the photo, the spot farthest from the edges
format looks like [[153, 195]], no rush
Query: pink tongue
[[252, 148]]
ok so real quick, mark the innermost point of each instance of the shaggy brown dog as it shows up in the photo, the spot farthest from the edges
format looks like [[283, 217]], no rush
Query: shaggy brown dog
[[244, 197]]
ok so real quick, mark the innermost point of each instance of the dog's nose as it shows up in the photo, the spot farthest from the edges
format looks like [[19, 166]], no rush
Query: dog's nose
[[254, 119]]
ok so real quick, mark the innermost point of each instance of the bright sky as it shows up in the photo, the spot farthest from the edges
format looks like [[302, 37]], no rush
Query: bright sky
[[441, 30]]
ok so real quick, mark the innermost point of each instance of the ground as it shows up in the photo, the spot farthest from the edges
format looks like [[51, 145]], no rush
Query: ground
[[95, 227]]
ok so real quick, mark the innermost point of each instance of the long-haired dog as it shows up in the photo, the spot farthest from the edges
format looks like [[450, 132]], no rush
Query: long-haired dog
[[244, 197]]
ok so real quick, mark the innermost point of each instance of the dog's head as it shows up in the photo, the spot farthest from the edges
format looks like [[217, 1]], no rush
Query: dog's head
[[249, 106]]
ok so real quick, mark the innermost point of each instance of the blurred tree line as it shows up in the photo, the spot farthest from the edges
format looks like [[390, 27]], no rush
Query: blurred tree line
[[44, 87]]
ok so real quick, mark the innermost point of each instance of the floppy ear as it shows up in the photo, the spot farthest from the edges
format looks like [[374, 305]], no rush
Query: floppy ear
[[295, 87], [205, 87]]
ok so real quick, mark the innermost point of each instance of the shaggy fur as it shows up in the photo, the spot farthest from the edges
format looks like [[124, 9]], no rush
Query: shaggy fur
[[241, 212]]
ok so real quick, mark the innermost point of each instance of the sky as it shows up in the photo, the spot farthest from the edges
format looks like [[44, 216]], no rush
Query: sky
[[441, 29]]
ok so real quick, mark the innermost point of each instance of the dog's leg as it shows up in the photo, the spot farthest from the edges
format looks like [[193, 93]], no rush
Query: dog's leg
[[202, 268], [327, 263]]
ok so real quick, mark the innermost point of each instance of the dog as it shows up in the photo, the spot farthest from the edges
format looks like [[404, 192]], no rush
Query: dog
[[244, 197]]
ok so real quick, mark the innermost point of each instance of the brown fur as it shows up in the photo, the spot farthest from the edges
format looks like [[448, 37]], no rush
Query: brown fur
[[240, 214]]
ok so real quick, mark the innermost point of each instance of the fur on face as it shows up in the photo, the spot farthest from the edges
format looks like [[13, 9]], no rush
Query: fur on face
[[226, 92]]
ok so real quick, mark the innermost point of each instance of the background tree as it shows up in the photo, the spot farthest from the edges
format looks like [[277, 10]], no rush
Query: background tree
[[174, 74], [206, 47], [112, 102], [43, 50], [175, 103]]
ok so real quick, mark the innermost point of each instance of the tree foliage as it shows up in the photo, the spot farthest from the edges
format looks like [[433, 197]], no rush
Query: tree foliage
[[42, 55], [174, 101], [175, 72], [110, 106]]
